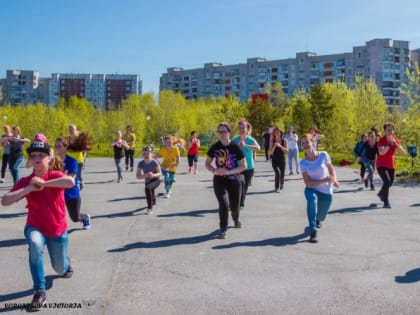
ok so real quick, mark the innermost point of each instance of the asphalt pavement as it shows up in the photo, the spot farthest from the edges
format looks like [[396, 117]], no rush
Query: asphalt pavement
[[367, 260]]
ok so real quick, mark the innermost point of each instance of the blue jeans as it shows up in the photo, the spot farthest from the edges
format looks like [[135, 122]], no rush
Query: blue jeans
[[15, 164], [169, 179], [317, 206], [293, 155], [57, 249], [370, 166]]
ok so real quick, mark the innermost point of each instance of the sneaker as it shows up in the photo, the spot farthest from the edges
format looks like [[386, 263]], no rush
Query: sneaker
[[190, 170], [277, 190], [149, 211], [168, 195], [372, 187], [297, 172], [387, 205], [238, 224], [222, 234], [195, 172], [38, 301], [69, 272], [313, 238], [2, 180], [131, 170], [291, 173], [318, 224], [126, 168], [86, 222]]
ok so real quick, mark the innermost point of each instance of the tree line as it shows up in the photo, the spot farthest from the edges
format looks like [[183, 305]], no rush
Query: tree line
[[340, 112]]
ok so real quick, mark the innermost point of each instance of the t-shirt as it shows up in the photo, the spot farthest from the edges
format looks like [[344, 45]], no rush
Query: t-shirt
[[317, 170], [193, 150], [169, 158], [77, 155], [387, 160], [369, 152], [148, 167], [292, 139], [46, 208], [118, 152], [72, 167], [226, 157], [249, 154], [130, 139]]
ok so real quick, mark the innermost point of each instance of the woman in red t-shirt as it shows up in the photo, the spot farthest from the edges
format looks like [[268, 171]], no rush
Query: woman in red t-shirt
[[193, 149], [385, 163]]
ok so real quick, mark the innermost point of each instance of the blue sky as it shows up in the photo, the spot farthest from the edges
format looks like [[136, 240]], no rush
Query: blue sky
[[147, 36]]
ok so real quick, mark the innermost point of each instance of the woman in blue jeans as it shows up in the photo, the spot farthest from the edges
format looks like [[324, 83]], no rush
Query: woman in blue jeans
[[46, 223], [319, 177]]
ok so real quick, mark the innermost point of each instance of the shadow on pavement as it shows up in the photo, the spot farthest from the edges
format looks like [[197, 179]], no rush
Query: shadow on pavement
[[12, 215], [128, 198], [118, 214], [276, 241], [409, 277], [167, 243], [415, 205], [17, 295], [194, 213], [372, 206], [343, 191], [15, 242]]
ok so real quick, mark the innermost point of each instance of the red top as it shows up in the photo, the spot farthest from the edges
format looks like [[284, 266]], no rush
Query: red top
[[387, 160], [193, 149], [46, 208]]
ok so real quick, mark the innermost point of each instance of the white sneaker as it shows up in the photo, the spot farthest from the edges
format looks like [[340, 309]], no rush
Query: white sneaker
[[2, 180], [149, 211], [168, 195]]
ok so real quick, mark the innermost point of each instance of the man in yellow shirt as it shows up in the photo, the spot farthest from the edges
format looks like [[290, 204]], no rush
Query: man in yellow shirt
[[130, 137], [170, 160]]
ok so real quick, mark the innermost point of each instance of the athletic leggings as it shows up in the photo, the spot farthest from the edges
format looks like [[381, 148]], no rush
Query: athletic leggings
[[278, 167], [4, 162], [150, 192], [73, 208], [246, 179], [228, 194], [387, 176]]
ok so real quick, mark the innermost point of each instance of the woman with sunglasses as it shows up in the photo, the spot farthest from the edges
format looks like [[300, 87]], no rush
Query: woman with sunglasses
[[229, 162]]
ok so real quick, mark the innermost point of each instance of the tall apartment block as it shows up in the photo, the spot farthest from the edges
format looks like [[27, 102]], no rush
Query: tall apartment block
[[105, 91], [20, 87], [383, 60]]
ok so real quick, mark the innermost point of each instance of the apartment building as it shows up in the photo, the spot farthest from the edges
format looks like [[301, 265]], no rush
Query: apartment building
[[383, 60], [20, 87], [105, 91]]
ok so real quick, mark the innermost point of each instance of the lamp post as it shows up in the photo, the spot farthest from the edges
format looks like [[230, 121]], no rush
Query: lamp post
[[147, 129]]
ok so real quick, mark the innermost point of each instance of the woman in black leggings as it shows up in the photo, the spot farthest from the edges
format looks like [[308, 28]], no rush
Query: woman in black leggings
[[229, 163], [278, 147]]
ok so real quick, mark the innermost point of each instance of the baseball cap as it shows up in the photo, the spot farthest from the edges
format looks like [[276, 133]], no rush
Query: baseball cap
[[38, 146]]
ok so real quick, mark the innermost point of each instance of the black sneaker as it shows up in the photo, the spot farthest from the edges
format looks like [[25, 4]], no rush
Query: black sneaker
[[38, 301], [238, 224], [222, 234], [318, 224], [313, 238], [69, 272], [372, 187], [387, 205]]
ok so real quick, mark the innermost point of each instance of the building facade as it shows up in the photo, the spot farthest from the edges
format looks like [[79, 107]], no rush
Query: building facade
[[383, 60], [105, 91], [20, 87]]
